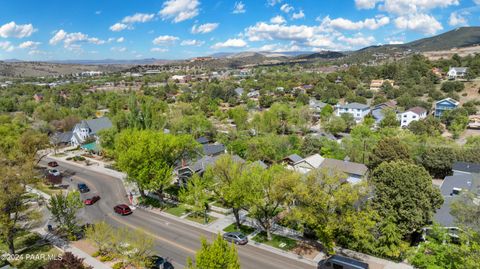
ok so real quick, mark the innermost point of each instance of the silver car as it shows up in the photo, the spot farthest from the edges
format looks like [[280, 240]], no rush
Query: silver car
[[237, 238]]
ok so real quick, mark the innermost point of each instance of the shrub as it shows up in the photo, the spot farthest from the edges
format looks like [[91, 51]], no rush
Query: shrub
[[118, 265], [106, 258]]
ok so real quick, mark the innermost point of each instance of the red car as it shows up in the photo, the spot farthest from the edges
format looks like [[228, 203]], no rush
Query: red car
[[91, 201], [53, 164], [122, 209]]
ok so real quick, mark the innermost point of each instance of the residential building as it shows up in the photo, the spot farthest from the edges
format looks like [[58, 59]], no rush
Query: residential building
[[413, 114], [185, 171], [239, 91], [88, 130], [38, 97], [378, 111], [213, 149], [316, 105], [253, 94], [290, 160], [444, 105], [354, 172], [357, 110], [466, 177], [457, 72], [474, 121], [376, 84]]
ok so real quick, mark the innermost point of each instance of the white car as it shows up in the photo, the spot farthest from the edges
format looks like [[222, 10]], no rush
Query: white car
[[54, 172]]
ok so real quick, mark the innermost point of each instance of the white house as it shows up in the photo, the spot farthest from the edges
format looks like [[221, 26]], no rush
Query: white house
[[88, 129], [457, 72], [358, 111], [308, 164], [413, 114]]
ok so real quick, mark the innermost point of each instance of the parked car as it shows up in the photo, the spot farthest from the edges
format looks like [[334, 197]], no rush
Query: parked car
[[82, 187], [122, 209], [157, 262], [52, 164], [91, 201], [237, 238], [341, 262], [54, 172]]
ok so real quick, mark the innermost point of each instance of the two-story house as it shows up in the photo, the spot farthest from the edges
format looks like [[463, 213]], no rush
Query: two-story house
[[358, 111], [88, 129], [444, 105], [413, 114], [457, 72]]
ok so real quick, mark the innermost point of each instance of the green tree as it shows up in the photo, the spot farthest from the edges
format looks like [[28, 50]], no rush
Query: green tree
[[67, 261], [196, 195], [149, 157], [396, 186], [228, 185], [336, 125], [389, 149], [466, 211], [390, 119], [64, 209], [101, 234], [270, 190], [217, 255]]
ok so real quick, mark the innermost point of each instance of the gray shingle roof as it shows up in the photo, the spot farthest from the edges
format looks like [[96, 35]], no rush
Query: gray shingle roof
[[355, 106], [466, 167], [345, 167], [96, 125], [203, 140], [62, 137], [293, 158], [213, 149]]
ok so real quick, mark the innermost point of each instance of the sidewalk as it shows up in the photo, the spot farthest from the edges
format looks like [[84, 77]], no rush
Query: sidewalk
[[62, 244], [225, 220]]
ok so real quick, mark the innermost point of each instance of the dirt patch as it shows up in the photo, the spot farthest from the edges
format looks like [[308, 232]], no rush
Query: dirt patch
[[85, 246], [306, 250]]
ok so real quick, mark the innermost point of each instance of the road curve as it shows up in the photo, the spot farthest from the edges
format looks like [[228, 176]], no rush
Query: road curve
[[173, 239]]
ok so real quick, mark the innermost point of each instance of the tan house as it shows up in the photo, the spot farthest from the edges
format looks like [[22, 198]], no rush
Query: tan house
[[474, 122], [376, 84]]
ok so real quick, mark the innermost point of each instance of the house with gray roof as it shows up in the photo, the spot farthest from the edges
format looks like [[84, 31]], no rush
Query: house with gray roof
[[357, 110], [465, 178], [457, 72], [88, 130], [239, 91], [213, 149]]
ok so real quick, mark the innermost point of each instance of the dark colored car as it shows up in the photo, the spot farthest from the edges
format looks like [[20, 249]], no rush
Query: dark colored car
[[52, 164], [82, 187], [236, 237], [122, 209], [157, 262], [91, 201], [341, 262]]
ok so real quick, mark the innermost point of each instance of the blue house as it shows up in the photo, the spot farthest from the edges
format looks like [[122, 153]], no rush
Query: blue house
[[444, 105]]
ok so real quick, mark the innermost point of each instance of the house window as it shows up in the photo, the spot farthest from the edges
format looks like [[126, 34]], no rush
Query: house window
[[404, 116], [404, 121], [414, 117], [358, 115]]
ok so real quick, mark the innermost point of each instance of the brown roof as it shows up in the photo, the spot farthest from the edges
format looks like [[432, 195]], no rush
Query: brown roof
[[345, 167], [418, 110]]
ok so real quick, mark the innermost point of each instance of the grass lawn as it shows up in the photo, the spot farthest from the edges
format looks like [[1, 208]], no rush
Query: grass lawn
[[277, 241], [246, 230], [200, 218], [50, 190], [178, 211]]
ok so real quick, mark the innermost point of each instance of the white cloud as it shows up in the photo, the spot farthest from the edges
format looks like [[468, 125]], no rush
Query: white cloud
[[239, 8], [358, 41], [422, 23], [118, 49], [286, 8], [165, 40], [404, 7], [59, 36], [230, 43], [264, 31], [6, 46], [120, 39], [278, 20], [298, 15], [138, 18], [273, 2], [180, 10], [366, 4], [29, 45], [192, 42], [12, 29], [345, 24], [98, 12], [458, 19], [37, 52], [322, 41], [117, 27], [158, 50], [476, 2], [72, 41], [204, 28]]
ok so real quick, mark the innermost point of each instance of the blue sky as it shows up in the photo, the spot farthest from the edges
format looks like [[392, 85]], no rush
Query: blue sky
[[173, 29]]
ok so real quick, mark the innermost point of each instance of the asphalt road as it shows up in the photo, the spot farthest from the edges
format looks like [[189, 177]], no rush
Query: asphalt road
[[173, 239]]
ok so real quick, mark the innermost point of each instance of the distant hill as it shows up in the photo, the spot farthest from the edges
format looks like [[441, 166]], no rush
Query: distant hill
[[457, 38], [321, 55]]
